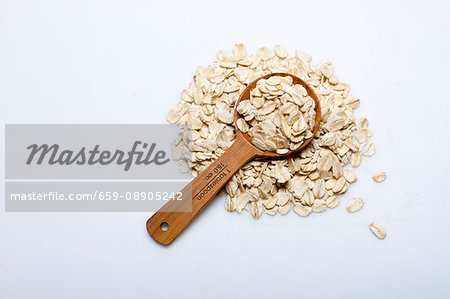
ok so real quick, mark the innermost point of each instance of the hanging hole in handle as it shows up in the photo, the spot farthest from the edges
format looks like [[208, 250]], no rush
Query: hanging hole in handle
[[164, 226]]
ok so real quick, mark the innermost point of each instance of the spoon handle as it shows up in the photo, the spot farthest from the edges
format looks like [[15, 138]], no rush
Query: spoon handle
[[199, 192]]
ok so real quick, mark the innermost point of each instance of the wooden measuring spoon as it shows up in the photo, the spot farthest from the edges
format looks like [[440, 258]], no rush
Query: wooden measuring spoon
[[165, 225]]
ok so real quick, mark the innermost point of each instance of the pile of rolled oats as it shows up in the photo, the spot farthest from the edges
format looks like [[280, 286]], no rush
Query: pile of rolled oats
[[278, 116], [308, 182]]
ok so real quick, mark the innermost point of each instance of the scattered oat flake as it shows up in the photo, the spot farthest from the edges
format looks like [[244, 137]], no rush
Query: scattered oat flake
[[225, 116], [355, 204], [172, 116], [229, 204], [350, 176], [378, 230], [302, 210], [303, 57], [283, 210], [379, 176], [256, 209], [370, 150], [265, 53], [280, 52], [333, 201], [355, 159], [272, 212], [239, 51]]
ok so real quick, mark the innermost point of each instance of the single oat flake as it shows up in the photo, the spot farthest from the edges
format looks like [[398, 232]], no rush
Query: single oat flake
[[379, 177], [355, 204], [370, 150], [355, 159], [278, 116]]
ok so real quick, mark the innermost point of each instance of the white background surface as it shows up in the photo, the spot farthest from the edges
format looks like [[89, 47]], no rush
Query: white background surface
[[128, 61]]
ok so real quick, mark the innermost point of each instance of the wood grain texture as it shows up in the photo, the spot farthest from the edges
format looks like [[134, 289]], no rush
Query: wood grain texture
[[210, 181], [203, 188]]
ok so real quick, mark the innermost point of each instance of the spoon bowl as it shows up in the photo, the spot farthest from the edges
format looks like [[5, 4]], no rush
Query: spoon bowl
[[246, 95]]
